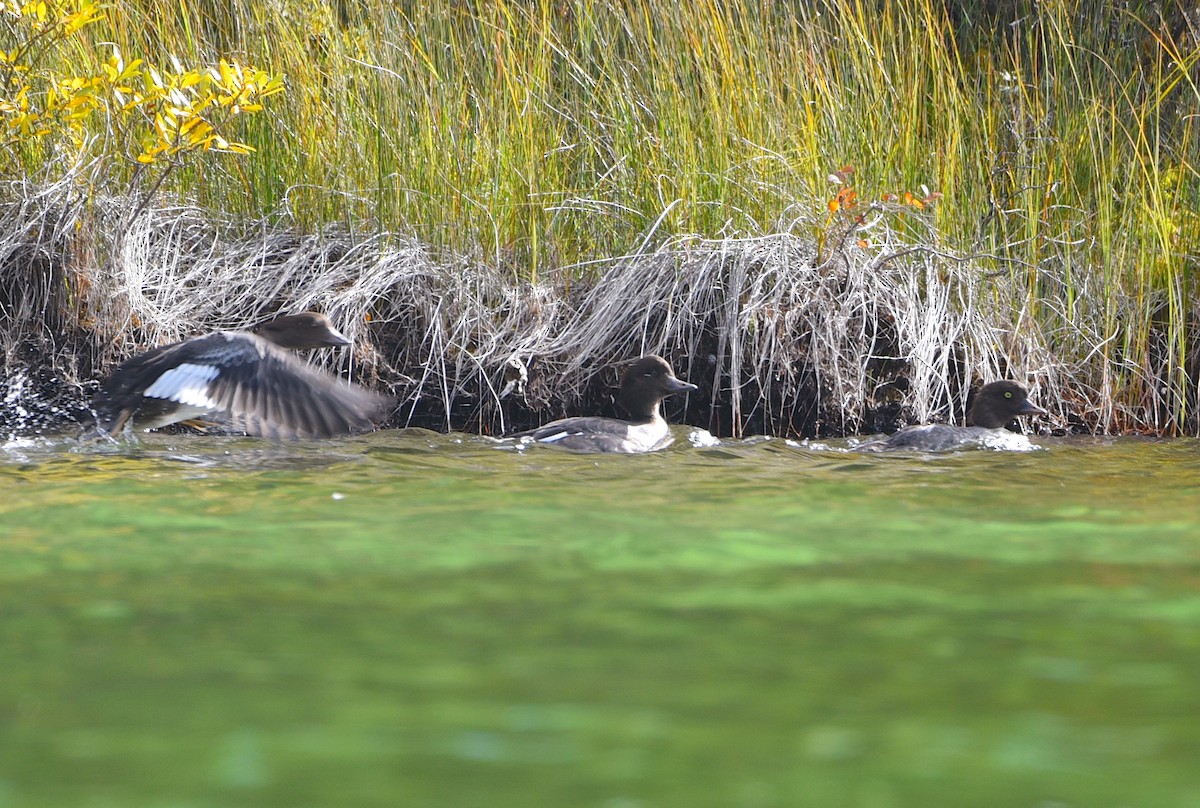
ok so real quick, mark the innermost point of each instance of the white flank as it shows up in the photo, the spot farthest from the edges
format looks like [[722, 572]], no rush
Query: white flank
[[557, 436], [1004, 441], [647, 437], [185, 384]]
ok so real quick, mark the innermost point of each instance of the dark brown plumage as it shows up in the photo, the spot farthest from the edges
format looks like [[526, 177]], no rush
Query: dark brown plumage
[[261, 389]]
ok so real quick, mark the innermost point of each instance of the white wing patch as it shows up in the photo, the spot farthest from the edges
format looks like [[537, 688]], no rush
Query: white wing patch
[[185, 384], [565, 433]]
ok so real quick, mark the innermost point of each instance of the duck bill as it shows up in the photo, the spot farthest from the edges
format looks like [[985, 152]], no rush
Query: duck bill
[[679, 386], [1030, 408], [335, 339]]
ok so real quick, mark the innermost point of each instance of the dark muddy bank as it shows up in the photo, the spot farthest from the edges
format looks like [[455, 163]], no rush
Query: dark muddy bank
[[780, 339]]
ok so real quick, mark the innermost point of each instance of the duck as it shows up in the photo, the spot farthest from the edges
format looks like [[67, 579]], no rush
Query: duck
[[249, 376], [644, 385], [995, 406]]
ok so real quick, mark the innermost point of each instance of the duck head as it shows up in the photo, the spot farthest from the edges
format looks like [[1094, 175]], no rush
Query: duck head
[[301, 331], [997, 403], [647, 382]]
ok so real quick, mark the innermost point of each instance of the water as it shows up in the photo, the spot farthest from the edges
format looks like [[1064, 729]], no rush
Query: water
[[411, 619]]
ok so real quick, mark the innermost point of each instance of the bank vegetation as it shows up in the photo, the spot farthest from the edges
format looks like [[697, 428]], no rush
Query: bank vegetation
[[834, 217]]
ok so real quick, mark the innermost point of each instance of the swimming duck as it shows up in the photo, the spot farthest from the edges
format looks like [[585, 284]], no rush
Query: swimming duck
[[643, 387], [263, 389], [995, 406]]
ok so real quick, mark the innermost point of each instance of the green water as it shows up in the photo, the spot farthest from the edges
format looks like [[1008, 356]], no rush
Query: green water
[[408, 619]]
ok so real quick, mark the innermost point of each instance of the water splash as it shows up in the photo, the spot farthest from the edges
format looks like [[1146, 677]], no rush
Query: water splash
[[32, 406], [14, 411]]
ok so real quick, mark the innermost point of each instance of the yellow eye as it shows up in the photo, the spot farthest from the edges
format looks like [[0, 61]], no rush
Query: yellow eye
[[1007, 394]]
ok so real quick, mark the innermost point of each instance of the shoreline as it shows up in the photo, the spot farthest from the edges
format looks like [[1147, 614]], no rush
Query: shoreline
[[781, 340]]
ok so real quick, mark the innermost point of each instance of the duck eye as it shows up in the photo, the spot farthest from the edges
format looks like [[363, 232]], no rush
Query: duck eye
[[1007, 394]]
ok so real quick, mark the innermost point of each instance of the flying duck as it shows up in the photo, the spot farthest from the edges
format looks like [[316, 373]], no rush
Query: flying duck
[[249, 376]]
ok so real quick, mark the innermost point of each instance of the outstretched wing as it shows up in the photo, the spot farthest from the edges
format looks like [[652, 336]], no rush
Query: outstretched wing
[[264, 390]]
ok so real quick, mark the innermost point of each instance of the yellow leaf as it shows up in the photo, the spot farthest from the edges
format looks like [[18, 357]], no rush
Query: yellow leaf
[[131, 71]]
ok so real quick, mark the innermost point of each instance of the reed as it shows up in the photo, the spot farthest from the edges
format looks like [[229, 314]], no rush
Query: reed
[[781, 340], [538, 150]]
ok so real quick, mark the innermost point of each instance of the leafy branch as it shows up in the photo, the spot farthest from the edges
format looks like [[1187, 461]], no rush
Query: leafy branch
[[160, 117]]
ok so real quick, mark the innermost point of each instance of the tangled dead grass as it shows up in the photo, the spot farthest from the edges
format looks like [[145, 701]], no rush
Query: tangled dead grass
[[782, 337]]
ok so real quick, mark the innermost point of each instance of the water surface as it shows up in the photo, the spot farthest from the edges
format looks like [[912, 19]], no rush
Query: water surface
[[416, 619]]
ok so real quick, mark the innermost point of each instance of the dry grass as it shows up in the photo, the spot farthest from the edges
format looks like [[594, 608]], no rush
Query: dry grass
[[780, 340]]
